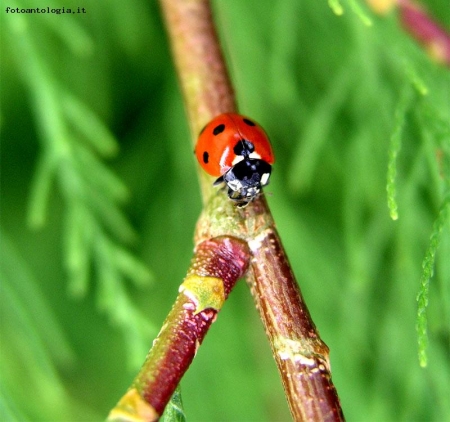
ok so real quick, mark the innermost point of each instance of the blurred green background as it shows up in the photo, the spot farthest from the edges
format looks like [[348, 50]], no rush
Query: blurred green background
[[99, 200]]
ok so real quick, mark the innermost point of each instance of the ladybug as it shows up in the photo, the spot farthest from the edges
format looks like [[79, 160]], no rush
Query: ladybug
[[236, 149]]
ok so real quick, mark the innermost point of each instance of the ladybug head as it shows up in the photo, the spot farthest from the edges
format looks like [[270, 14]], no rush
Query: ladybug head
[[245, 180]]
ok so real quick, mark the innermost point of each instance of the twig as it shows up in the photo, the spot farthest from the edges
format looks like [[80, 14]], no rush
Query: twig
[[229, 240], [425, 30], [200, 67], [420, 25], [215, 268], [300, 354]]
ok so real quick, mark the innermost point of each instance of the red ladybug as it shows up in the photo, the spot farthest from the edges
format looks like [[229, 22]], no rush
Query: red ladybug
[[237, 150]]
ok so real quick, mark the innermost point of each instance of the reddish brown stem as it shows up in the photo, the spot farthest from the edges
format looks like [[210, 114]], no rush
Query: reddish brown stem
[[215, 268], [200, 66], [206, 85], [301, 356]]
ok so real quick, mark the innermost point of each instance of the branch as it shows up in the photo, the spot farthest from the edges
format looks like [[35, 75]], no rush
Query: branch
[[420, 25], [425, 30], [231, 242], [214, 270], [200, 67], [301, 356]]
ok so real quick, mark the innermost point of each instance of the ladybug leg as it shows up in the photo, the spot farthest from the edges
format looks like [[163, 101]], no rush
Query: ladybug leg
[[243, 204], [219, 181], [235, 195], [238, 198]]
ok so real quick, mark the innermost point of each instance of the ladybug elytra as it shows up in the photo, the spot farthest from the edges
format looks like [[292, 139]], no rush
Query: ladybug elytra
[[237, 151]]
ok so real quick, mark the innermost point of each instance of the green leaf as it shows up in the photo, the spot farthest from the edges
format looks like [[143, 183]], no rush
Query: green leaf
[[79, 233], [174, 411], [40, 190], [98, 175], [442, 220], [394, 149], [360, 12], [336, 7], [84, 120]]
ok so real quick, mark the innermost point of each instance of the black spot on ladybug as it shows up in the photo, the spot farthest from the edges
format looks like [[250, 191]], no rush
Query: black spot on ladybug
[[205, 157], [218, 129], [243, 147], [249, 122]]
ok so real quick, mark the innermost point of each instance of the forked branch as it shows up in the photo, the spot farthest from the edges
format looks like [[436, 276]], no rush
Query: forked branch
[[230, 242]]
